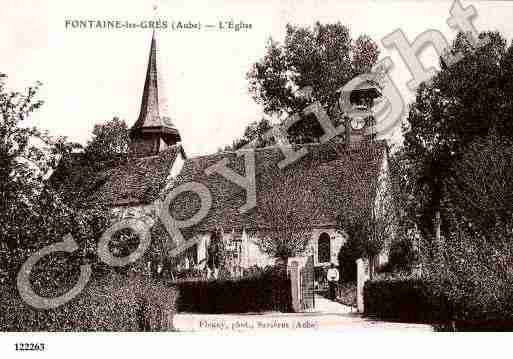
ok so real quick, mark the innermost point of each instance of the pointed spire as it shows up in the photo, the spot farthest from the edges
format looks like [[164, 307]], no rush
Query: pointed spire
[[154, 114]]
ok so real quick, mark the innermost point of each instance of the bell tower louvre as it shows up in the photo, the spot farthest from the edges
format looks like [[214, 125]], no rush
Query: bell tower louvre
[[154, 130]]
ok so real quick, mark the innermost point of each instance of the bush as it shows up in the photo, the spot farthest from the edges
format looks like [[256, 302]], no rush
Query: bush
[[113, 304], [156, 304], [402, 254], [417, 301], [347, 293], [270, 291], [474, 274], [405, 300], [349, 253]]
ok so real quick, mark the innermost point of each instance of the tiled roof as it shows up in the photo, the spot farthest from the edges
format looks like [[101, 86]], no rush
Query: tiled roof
[[327, 181], [139, 180], [133, 181]]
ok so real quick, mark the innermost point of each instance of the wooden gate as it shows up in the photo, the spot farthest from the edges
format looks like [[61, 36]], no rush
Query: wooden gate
[[306, 277]]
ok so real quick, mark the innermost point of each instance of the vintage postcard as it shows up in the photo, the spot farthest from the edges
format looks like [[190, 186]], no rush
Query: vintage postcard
[[232, 168]]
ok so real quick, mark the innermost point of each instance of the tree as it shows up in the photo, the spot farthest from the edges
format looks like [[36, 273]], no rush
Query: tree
[[404, 248], [23, 165], [472, 266], [82, 169], [110, 141], [480, 189], [372, 229], [32, 214], [322, 58], [255, 131], [288, 229], [463, 102], [350, 251], [393, 229], [403, 252]]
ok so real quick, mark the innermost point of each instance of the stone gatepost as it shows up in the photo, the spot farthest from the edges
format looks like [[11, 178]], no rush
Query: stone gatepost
[[293, 269], [362, 275]]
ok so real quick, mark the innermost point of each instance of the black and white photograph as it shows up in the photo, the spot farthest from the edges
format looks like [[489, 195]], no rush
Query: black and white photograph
[[332, 173]]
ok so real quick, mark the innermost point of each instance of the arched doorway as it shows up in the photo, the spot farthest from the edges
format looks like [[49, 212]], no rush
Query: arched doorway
[[324, 248]]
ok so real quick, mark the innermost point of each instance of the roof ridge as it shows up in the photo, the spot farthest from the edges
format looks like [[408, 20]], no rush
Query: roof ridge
[[353, 147]]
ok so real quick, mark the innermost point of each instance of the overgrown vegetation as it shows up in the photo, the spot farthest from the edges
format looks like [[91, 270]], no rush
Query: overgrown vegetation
[[457, 161], [114, 303], [473, 264], [462, 104], [32, 214]]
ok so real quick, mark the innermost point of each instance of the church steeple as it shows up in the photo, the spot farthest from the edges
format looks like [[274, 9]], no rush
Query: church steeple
[[154, 130]]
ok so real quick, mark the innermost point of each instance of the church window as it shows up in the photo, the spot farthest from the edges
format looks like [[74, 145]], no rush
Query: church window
[[324, 246]]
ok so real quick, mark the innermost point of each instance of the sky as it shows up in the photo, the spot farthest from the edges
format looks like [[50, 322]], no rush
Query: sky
[[92, 75]]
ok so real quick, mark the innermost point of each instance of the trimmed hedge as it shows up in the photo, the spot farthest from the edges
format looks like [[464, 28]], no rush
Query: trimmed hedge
[[405, 300], [413, 301], [270, 291]]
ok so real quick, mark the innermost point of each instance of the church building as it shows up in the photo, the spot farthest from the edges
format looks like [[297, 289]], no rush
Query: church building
[[310, 194]]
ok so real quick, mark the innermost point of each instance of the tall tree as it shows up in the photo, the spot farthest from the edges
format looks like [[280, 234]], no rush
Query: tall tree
[[323, 58], [480, 192], [463, 102], [473, 265]]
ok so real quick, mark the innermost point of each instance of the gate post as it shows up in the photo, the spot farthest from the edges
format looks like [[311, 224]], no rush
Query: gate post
[[362, 275], [295, 286]]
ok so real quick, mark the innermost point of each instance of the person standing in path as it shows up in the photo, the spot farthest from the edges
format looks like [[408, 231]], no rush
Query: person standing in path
[[332, 281]]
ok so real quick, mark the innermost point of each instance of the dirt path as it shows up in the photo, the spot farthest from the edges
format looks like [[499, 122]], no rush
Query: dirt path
[[327, 316]]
